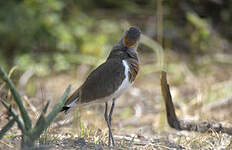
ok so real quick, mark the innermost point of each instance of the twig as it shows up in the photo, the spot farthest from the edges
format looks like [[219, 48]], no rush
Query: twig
[[160, 22], [35, 111], [10, 146]]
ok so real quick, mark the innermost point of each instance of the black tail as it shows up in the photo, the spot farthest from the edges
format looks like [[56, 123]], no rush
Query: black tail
[[72, 100], [65, 109]]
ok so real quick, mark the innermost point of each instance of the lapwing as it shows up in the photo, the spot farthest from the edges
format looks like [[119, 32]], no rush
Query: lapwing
[[111, 79]]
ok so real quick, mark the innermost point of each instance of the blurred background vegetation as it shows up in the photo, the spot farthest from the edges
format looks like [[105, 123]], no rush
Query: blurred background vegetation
[[53, 35], [54, 43]]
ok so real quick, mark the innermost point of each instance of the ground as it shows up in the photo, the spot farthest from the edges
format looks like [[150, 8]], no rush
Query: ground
[[139, 119]]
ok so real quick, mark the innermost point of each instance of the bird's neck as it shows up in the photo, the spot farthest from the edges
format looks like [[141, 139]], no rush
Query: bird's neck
[[121, 52]]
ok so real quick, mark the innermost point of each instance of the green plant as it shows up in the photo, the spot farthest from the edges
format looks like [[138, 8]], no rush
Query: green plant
[[132, 140], [200, 37], [29, 133], [47, 137]]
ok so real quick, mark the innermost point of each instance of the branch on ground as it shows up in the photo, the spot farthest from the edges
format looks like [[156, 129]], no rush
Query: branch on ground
[[174, 122]]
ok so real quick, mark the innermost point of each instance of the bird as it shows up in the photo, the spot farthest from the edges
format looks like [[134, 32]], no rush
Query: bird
[[111, 79]]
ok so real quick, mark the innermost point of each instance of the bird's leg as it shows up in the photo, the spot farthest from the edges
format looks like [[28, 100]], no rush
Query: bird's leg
[[110, 119], [111, 111], [108, 123]]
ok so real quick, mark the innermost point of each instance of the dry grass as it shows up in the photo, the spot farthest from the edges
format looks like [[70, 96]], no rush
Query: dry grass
[[139, 119]]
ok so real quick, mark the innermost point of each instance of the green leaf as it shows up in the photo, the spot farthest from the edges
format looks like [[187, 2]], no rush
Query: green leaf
[[17, 98], [17, 118], [6, 127], [41, 119], [51, 116]]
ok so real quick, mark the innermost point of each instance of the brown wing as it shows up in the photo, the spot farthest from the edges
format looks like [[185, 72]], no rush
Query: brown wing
[[102, 82]]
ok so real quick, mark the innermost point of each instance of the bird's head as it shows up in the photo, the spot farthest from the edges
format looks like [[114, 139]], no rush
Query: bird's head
[[131, 37]]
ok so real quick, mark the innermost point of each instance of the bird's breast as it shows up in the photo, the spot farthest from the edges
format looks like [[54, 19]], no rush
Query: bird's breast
[[126, 84]]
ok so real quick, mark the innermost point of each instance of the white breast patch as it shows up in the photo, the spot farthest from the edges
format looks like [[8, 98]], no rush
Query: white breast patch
[[126, 84]]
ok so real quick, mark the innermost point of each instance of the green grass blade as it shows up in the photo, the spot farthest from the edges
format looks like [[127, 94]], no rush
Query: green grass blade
[[46, 107], [39, 128], [17, 98], [6, 127], [17, 118], [41, 117], [51, 116]]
